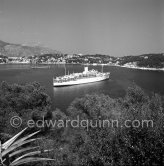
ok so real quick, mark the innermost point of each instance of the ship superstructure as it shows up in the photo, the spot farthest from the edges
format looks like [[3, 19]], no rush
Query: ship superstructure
[[87, 76]]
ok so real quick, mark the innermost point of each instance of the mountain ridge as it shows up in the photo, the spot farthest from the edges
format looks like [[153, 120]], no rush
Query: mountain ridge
[[20, 50]]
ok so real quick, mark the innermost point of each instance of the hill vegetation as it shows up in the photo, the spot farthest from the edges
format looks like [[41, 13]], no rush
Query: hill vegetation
[[145, 60]]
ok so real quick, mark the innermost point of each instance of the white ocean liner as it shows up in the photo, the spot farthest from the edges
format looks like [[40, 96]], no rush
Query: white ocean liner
[[87, 76]]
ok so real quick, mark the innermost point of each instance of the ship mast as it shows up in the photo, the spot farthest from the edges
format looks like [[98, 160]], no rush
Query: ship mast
[[65, 69], [102, 68]]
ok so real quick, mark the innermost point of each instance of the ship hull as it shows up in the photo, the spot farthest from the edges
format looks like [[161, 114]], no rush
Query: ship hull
[[81, 81]]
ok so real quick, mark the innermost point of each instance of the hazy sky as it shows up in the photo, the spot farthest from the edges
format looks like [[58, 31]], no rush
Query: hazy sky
[[114, 27]]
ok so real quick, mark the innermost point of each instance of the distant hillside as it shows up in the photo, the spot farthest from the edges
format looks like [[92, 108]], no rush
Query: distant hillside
[[145, 60], [47, 55], [18, 50]]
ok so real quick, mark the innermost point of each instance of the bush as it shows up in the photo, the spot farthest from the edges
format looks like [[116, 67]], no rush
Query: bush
[[22, 101]]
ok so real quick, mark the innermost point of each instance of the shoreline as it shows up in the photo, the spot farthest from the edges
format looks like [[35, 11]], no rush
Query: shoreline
[[130, 67], [142, 68]]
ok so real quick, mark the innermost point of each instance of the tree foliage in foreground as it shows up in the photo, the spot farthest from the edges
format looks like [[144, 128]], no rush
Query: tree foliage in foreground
[[26, 101], [96, 145], [116, 145]]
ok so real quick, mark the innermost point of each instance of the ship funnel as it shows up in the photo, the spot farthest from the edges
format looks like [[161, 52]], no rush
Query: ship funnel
[[85, 69]]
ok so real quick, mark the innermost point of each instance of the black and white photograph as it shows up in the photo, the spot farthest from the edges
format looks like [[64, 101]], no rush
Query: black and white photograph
[[81, 82]]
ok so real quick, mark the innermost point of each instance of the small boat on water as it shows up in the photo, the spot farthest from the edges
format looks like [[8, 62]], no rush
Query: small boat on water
[[87, 76], [36, 65]]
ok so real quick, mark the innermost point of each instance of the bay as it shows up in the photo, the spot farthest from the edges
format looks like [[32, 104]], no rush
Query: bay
[[120, 80]]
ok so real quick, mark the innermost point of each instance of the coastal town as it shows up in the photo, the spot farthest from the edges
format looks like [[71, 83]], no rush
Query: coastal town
[[61, 59], [144, 62]]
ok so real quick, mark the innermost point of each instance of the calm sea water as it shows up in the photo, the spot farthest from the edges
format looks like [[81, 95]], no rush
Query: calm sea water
[[121, 78]]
